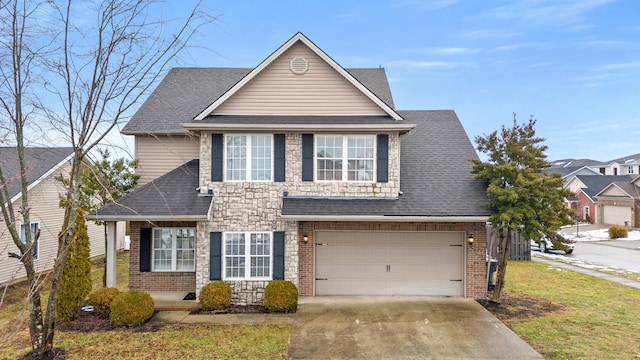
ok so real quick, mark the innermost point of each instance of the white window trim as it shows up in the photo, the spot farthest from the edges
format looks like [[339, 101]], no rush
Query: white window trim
[[248, 164], [345, 159], [174, 250], [37, 240], [247, 256]]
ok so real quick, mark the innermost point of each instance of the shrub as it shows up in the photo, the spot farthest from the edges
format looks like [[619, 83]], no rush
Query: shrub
[[617, 231], [75, 284], [102, 298], [215, 295], [281, 296], [131, 307]]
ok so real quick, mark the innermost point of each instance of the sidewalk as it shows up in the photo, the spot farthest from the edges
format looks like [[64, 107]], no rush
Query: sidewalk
[[618, 279], [184, 317]]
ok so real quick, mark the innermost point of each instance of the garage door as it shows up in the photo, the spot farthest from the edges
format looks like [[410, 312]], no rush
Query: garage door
[[617, 214], [389, 263]]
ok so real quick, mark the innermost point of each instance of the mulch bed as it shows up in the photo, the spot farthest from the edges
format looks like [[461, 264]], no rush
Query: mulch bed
[[234, 309], [520, 307], [94, 322]]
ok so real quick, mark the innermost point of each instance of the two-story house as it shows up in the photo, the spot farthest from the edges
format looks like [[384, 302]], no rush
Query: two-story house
[[303, 170]]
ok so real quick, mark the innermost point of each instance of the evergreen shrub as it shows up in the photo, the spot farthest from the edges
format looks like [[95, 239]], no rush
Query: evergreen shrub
[[131, 307], [281, 296], [216, 295]]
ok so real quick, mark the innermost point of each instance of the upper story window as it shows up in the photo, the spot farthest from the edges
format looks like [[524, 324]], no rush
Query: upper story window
[[249, 157], [630, 170], [173, 249], [35, 235], [345, 157]]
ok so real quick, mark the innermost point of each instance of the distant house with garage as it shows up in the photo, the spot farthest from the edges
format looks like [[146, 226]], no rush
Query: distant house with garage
[[303, 170]]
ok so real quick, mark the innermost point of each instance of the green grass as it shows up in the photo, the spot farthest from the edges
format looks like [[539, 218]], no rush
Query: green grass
[[601, 319]]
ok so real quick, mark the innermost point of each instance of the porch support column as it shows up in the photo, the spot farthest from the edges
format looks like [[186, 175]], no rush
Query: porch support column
[[112, 242]]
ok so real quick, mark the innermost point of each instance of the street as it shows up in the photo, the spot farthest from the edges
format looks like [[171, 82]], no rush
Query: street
[[614, 253]]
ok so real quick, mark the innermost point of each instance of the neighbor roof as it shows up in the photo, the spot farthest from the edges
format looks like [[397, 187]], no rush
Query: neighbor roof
[[185, 92], [435, 178], [39, 163], [173, 196], [595, 184]]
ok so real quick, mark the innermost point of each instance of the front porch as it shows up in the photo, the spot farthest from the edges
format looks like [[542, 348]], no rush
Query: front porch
[[174, 300]]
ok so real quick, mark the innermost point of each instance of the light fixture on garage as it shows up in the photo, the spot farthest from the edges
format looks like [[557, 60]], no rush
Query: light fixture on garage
[[470, 239], [305, 238]]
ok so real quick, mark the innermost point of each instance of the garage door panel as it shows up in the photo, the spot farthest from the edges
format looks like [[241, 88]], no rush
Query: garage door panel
[[388, 263]]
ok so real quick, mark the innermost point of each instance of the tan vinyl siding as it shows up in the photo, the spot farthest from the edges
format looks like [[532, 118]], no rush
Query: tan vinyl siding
[[44, 201], [157, 155], [320, 91]]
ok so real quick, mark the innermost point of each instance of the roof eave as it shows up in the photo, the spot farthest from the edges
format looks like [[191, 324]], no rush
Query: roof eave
[[386, 218], [149, 218], [299, 127]]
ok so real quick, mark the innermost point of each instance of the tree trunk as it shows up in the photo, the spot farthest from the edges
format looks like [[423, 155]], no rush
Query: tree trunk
[[503, 256]]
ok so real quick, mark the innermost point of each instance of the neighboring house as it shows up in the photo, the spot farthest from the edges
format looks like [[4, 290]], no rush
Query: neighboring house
[[627, 165], [586, 187], [619, 203], [300, 169], [42, 166]]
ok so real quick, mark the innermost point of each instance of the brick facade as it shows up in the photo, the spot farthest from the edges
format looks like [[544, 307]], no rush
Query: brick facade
[[633, 204], [156, 281], [476, 268]]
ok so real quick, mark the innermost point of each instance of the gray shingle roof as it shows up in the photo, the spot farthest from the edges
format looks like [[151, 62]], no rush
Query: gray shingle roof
[[297, 119], [38, 161], [629, 188], [595, 184], [435, 176], [185, 92], [172, 196]]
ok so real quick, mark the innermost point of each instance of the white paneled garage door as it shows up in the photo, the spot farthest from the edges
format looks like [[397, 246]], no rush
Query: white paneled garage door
[[389, 263], [617, 214]]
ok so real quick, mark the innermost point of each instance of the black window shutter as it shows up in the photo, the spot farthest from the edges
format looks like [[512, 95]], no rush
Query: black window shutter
[[145, 249], [307, 157], [383, 158], [216, 157], [215, 256], [279, 152], [278, 255]]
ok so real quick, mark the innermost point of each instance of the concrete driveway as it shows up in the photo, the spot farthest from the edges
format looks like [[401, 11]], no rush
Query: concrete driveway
[[403, 327]]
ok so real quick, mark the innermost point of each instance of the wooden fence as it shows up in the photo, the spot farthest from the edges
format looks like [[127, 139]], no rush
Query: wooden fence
[[519, 249]]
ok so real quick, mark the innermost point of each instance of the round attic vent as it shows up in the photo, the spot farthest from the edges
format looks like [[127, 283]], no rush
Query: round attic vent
[[299, 65]]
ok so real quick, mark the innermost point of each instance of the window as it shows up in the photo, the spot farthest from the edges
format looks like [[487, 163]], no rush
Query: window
[[249, 157], [247, 256], [630, 170], [345, 158], [35, 236], [174, 249]]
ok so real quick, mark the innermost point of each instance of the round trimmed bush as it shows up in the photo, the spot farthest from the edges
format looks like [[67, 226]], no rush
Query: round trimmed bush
[[617, 231], [102, 298], [131, 307], [281, 296], [215, 295]]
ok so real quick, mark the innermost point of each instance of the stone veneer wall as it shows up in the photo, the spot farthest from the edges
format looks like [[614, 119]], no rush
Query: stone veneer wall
[[161, 280], [476, 268], [257, 206]]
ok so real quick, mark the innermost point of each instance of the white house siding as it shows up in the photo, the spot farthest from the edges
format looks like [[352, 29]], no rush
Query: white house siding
[[319, 91], [45, 210], [159, 154], [254, 206]]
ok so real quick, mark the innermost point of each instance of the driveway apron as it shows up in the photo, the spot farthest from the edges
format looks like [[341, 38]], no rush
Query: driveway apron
[[401, 327]]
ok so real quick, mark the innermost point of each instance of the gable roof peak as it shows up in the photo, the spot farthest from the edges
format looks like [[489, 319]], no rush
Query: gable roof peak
[[299, 37]]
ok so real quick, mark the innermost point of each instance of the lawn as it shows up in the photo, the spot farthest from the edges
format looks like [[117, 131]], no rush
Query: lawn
[[600, 319], [169, 342]]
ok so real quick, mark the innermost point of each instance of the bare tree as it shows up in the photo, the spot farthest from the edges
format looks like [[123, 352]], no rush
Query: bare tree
[[94, 75]]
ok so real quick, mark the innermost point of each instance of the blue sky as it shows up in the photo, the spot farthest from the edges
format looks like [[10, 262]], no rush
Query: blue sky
[[572, 64]]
